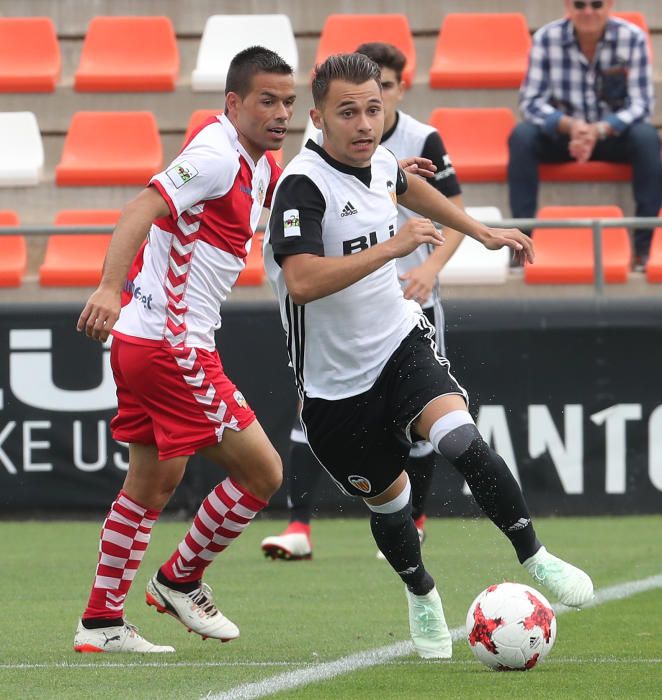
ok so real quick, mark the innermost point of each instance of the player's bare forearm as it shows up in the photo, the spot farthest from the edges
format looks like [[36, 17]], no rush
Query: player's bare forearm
[[440, 256], [429, 202], [129, 234], [103, 307], [310, 277]]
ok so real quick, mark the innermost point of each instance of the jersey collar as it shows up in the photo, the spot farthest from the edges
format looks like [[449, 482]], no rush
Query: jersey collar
[[387, 134], [364, 175], [233, 136]]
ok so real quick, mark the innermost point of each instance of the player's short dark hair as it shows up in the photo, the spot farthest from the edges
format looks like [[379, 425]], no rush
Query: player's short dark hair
[[249, 62], [385, 56], [352, 67]]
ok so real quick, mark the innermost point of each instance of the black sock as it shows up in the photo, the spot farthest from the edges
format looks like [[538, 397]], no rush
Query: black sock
[[303, 475], [98, 623], [397, 539], [498, 494], [420, 471], [181, 587]]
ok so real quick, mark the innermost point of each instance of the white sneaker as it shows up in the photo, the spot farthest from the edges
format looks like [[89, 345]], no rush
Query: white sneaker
[[570, 585], [421, 539], [291, 546], [195, 610], [120, 638], [427, 624]]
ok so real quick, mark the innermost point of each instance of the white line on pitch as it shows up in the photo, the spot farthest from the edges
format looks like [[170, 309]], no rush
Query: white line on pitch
[[374, 657], [154, 664]]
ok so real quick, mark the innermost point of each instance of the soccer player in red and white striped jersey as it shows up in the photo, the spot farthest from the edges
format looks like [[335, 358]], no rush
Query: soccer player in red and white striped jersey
[[175, 254]]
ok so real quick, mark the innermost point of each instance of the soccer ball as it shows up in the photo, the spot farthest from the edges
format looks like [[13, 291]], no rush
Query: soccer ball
[[511, 627]]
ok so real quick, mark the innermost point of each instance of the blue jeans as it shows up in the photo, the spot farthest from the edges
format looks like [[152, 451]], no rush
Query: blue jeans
[[638, 145]]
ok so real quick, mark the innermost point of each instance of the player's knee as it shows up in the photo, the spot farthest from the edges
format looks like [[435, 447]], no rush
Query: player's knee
[[266, 480], [394, 512], [454, 434]]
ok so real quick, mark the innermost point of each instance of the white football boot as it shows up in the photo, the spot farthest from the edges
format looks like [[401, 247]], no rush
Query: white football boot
[[570, 585], [427, 624], [291, 545], [113, 639], [196, 610]]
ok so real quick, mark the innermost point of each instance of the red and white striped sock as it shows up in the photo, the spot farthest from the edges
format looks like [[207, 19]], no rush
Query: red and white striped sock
[[221, 518], [124, 538]]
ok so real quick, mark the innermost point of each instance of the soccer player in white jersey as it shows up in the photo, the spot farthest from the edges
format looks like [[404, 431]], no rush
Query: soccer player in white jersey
[[364, 357], [418, 271], [181, 243]]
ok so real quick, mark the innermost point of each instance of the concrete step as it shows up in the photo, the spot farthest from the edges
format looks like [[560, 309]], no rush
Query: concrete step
[[188, 16]]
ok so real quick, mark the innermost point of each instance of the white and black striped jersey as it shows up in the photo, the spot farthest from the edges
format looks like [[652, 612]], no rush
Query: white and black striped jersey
[[339, 344], [409, 137]]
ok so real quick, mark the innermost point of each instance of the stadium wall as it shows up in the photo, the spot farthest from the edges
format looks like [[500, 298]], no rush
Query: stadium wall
[[567, 391]]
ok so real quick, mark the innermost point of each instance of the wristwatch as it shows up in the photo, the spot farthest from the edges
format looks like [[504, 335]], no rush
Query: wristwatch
[[603, 130]]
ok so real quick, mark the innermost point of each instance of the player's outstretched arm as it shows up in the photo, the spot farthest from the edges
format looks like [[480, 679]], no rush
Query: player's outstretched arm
[[103, 307], [309, 277], [427, 201]]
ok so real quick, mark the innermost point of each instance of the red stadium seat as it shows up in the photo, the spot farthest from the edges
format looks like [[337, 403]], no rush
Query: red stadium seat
[[344, 33], [594, 170], [477, 140], [13, 253], [565, 255], [75, 260], [29, 54], [201, 115], [481, 51], [638, 19], [654, 265], [128, 54], [253, 274], [110, 148]]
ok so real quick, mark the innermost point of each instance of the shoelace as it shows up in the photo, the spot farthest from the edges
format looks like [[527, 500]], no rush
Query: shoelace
[[202, 598]]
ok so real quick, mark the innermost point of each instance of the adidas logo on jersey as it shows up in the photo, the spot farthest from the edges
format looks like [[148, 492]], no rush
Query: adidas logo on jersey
[[348, 210]]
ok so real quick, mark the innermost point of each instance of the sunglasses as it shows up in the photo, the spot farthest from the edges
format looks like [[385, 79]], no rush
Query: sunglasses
[[595, 4]]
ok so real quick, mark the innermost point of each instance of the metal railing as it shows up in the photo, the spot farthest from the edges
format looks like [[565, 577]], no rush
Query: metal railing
[[597, 225]]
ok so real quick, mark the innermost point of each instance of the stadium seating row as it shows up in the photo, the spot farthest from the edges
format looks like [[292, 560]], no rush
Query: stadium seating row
[[563, 255], [129, 54], [124, 148], [75, 260]]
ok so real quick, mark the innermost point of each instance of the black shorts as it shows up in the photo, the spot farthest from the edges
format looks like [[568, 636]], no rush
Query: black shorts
[[363, 441]]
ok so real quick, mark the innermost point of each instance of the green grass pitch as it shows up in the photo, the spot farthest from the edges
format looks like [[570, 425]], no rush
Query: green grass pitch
[[294, 615]]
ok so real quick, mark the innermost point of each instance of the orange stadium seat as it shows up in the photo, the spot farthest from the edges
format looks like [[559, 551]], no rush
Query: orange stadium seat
[[253, 274], [654, 265], [201, 115], [565, 255], [13, 253], [29, 54], [594, 170], [481, 51], [343, 33], [110, 148], [477, 140], [128, 54], [75, 260], [638, 19]]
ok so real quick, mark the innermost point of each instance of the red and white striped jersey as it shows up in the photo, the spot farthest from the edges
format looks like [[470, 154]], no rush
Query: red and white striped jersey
[[191, 258]]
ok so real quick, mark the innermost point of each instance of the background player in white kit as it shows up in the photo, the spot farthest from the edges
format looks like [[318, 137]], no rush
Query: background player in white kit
[[418, 272], [174, 399], [364, 357]]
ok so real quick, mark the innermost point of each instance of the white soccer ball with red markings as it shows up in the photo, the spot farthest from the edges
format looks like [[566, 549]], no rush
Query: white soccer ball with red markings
[[511, 627]]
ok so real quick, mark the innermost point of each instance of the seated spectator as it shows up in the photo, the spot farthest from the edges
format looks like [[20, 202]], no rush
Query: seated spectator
[[588, 95]]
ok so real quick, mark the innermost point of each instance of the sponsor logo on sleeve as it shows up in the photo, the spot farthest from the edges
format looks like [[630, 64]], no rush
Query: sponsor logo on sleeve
[[181, 173], [291, 223]]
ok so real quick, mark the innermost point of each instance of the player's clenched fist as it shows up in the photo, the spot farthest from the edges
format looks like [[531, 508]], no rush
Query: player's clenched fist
[[413, 233], [99, 315]]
